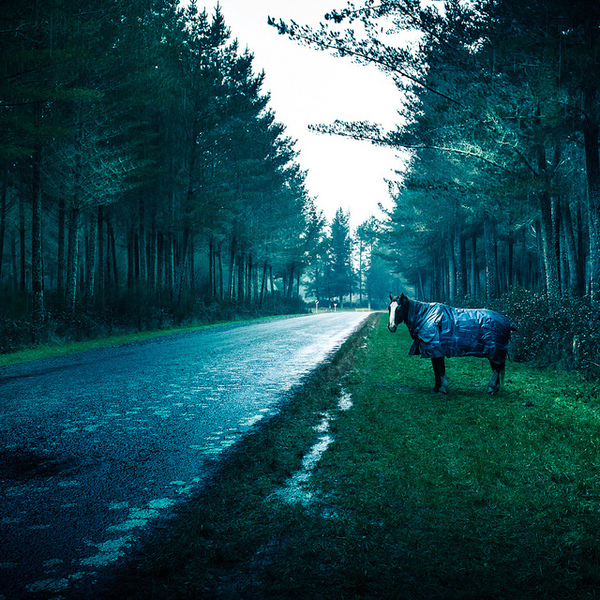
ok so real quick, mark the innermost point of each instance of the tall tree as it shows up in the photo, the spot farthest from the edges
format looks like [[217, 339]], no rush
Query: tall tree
[[339, 272], [498, 107]]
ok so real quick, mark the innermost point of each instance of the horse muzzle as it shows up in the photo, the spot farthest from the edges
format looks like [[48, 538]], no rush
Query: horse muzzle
[[392, 329]]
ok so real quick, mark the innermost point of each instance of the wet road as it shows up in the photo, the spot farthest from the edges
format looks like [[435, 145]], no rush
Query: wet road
[[97, 445]]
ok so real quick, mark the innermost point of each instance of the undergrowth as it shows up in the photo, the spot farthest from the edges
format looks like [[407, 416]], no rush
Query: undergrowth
[[564, 332], [130, 313], [420, 496]]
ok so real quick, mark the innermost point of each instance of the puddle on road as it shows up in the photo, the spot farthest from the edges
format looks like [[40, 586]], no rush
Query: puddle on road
[[297, 490], [223, 439], [133, 417], [54, 586], [111, 550], [108, 552]]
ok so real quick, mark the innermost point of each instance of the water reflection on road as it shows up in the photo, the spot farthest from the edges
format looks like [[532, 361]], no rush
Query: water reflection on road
[[97, 445]]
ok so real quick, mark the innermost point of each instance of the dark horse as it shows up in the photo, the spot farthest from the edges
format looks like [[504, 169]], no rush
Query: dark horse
[[439, 330]]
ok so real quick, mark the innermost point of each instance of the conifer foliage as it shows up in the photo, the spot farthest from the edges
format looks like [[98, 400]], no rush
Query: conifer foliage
[[141, 166], [501, 122]]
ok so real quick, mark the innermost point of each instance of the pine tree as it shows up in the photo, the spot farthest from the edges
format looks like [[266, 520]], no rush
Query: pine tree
[[339, 272]]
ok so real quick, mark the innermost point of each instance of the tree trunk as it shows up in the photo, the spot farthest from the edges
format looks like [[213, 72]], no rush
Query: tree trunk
[[212, 264], [3, 218], [91, 257], [136, 255], [473, 275], [113, 256], [220, 259], [592, 164], [250, 278], [461, 283], [581, 254], [151, 258], [37, 275], [570, 249], [263, 284], [160, 261], [72, 258], [490, 263], [539, 278], [511, 259], [556, 237], [547, 232], [548, 254], [231, 283], [13, 248], [181, 267], [192, 263], [170, 262], [290, 289], [240, 285], [22, 256], [141, 240], [130, 260], [101, 264], [61, 264], [450, 251]]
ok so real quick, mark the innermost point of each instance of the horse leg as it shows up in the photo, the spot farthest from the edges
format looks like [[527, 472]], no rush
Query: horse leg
[[438, 381], [439, 369], [493, 385]]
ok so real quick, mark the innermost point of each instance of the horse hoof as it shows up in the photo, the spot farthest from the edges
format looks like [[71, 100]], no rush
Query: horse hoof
[[493, 389]]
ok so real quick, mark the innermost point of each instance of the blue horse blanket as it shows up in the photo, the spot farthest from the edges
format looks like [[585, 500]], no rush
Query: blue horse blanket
[[441, 330]]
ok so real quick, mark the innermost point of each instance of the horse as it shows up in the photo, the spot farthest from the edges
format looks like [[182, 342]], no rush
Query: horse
[[439, 331]]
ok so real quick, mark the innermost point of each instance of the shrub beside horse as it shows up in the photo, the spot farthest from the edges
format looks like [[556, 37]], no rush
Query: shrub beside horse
[[440, 331]]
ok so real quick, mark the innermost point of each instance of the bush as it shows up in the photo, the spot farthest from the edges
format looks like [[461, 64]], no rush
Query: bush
[[133, 311], [563, 332], [14, 334]]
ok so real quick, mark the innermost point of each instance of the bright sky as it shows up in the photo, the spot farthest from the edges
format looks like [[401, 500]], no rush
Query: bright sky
[[312, 87]]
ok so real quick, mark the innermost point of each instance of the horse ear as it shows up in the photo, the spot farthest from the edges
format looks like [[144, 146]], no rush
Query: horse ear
[[403, 297], [391, 297]]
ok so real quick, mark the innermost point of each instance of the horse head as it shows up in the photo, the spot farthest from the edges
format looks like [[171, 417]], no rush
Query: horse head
[[398, 311]]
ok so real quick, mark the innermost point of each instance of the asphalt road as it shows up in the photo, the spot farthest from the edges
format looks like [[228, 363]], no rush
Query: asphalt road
[[97, 446]]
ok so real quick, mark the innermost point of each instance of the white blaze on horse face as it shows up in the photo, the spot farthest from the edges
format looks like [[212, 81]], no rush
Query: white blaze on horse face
[[392, 320]]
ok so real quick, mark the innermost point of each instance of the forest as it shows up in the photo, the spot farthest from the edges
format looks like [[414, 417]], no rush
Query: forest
[[501, 121], [500, 202], [146, 181]]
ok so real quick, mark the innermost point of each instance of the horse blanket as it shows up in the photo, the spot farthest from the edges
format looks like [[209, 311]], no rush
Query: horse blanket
[[441, 330]]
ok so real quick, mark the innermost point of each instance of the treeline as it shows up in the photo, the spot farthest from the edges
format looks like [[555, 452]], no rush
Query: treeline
[[506, 151], [501, 123], [348, 267], [137, 142], [145, 179], [141, 166]]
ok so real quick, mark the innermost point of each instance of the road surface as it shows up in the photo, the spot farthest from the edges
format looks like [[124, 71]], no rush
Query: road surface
[[95, 446]]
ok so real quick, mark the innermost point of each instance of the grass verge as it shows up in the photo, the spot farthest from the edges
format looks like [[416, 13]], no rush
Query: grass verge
[[63, 349], [465, 496]]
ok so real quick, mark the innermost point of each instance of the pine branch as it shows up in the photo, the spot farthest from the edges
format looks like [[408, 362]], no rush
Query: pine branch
[[369, 55]]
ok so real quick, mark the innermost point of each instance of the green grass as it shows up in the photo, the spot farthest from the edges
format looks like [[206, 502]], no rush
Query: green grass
[[465, 496], [63, 349]]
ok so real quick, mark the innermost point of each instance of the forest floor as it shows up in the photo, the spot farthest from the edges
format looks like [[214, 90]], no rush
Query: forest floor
[[369, 485]]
